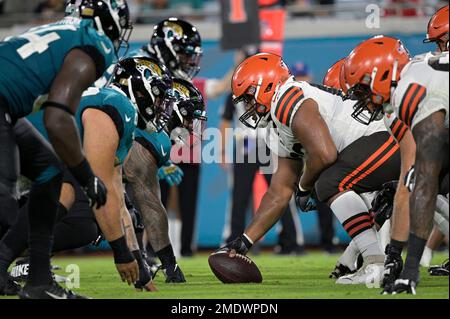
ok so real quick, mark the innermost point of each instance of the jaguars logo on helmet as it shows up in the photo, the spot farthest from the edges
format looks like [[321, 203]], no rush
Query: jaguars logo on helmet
[[178, 45], [147, 84], [189, 115], [111, 17]]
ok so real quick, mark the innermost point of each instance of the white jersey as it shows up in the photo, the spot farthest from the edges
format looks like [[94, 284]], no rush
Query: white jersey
[[422, 89], [394, 126], [335, 111]]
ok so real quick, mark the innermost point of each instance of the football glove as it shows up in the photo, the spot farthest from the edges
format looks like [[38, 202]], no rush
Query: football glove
[[96, 192], [171, 173], [304, 200], [241, 245], [410, 179], [383, 203]]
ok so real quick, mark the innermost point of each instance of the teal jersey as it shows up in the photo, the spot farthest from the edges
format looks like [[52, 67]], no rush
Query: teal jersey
[[157, 143], [112, 102], [31, 61]]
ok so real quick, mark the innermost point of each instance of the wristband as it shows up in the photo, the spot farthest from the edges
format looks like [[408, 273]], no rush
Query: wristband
[[247, 241], [303, 192], [122, 254], [82, 172]]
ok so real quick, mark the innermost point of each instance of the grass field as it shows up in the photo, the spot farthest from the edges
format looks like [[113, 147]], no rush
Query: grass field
[[284, 278]]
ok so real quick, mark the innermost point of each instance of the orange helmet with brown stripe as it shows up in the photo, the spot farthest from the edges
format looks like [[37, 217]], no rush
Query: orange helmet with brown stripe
[[255, 82], [331, 79], [438, 29], [371, 72]]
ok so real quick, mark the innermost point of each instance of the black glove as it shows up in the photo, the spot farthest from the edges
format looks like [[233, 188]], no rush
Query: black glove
[[410, 179], [145, 272], [241, 245], [304, 200], [383, 203], [96, 192], [93, 187]]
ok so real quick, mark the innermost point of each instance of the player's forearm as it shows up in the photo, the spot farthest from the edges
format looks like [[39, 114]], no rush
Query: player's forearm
[[109, 217], [128, 228], [63, 134], [269, 212], [153, 214], [141, 173], [400, 215], [312, 170]]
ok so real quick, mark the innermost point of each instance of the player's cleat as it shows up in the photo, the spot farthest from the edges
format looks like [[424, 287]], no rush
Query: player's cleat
[[370, 274], [393, 266], [8, 286], [51, 291], [404, 285], [340, 270], [174, 275], [19, 272], [439, 270]]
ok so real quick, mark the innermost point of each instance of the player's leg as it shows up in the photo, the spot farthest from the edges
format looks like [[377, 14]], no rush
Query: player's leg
[[243, 176], [432, 141], [188, 197], [9, 172], [362, 167], [39, 164], [291, 235]]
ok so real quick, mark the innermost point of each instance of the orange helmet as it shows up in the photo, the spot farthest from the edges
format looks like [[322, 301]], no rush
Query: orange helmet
[[255, 82], [370, 73], [331, 79], [438, 28]]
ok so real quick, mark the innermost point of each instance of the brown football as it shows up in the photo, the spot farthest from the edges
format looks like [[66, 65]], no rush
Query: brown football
[[237, 270]]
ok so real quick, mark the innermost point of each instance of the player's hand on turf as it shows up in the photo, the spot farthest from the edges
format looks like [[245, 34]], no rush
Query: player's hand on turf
[[171, 173], [146, 275], [240, 245], [128, 272], [96, 192], [304, 200]]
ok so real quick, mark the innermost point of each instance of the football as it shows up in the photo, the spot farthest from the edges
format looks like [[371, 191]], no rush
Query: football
[[237, 270]]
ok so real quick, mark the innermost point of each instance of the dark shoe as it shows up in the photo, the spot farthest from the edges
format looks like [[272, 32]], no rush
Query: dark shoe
[[174, 275], [8, 286], [403, 285], [340, 270], [52, 291], [439, 270], [393, 266], [20, 271]]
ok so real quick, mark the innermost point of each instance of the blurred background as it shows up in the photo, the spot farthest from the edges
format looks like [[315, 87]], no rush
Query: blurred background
[[310, 34]]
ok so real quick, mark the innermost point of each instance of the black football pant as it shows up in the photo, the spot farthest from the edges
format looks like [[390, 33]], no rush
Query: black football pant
[[187, 200], [25, 151], [73, 229]]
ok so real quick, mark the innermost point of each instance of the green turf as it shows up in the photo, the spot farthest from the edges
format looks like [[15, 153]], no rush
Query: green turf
[[284, 278]]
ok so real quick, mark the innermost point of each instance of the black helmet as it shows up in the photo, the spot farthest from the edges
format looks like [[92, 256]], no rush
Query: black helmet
[[111, 17], [188, 115], [178, 45], [147, 84]]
